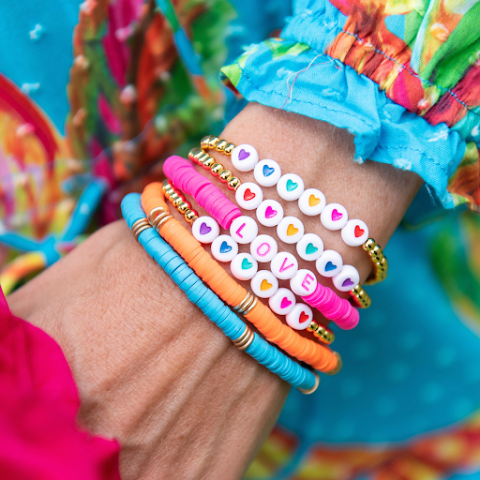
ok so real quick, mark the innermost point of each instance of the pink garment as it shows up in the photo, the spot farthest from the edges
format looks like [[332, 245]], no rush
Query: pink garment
[[39, 436]]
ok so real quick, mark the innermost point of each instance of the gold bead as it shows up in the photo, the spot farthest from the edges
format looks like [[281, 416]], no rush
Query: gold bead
[[203, 156], [191, 216], [169, 192], [191, 154], [313, 326], [369, 245], [208, 162], [212, 143], [234, 183], [198, 154], [221, 146], [225, 176], [216, 169], [178, 201], [204, 142], [174, 196], [229, 147], [339, 365], [183, 207]]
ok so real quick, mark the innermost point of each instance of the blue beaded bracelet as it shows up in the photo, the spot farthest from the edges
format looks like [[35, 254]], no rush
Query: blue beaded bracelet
[[210, 304]]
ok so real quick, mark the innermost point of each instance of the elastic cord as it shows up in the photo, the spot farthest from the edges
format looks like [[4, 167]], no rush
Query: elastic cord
[[267, 355]]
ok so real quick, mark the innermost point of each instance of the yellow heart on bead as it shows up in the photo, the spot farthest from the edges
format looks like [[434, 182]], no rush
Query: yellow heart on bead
[[313, 200], [291, 230], [265, 286]]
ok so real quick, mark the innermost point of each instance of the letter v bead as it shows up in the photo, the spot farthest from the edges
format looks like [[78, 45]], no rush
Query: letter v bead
[[283, 267]]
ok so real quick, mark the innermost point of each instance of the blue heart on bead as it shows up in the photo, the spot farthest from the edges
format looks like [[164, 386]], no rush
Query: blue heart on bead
[[246, 264], [291, 185], [225, 247], [267, 171], [328, 267]]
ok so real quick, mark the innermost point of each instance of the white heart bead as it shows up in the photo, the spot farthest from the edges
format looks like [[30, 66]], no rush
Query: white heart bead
[[350, 231], [264, 248], [310, 247], [334, 216], [284, 265], [264, 284], [300, 317], [224, 248], [283, 302], [244, 158], [269, 213], [244, 266], [290, 230], [303, 283], [205, 229], [249, 196], [312, 202], [244, 230], [267, 173], [290, 186], [347, 279], [329, 264]]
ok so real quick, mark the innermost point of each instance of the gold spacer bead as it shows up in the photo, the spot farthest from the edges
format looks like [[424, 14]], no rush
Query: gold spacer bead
[[225, 176], [169, 192], [220, 147], [208, 162], [317, 383], [234, 183], [191, 216], [229, 147], [180, 199], [183, 207], [339, 365], [204, 142], [313, 326], [369, 245], [216, 169], [173, 196], [212, 143]]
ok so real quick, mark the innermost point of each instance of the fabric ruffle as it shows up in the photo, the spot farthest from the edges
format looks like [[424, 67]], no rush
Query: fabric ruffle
[[403, 71]]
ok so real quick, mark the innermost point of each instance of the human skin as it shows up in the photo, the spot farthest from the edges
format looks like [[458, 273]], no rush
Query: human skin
[[151, 370]]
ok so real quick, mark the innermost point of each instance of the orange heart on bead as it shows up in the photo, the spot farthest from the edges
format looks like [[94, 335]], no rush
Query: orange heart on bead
[[359, 231], [313, 200], [291, 230], [303, 317], [265, 286], [248, 195]]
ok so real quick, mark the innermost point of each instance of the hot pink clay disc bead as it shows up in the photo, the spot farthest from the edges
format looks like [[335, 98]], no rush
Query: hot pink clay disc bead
[[333, 307], [208, 196]]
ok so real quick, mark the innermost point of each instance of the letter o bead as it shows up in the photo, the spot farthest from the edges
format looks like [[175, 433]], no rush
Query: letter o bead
[[284, 266], [283, 302], [244, 266], [264, 248], [303, 283], [244, 230], [300, 317], [264, 284]]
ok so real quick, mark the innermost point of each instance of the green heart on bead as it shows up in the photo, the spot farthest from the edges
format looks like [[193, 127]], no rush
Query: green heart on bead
[[311, 248], [291, 185], [246, 264]]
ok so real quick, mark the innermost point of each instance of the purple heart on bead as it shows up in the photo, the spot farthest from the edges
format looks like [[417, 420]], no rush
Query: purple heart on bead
[[336, 215], [243, 154], [347, 283], [204, 229]]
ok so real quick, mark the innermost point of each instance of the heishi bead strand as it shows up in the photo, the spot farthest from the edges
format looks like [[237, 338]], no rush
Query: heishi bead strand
[[245, 267], [290, 187], [284, 266]]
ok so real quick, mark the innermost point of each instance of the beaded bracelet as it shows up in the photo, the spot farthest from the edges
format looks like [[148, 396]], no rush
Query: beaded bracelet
[[265, 354], [284, 266], [318, 356], [333, 216]]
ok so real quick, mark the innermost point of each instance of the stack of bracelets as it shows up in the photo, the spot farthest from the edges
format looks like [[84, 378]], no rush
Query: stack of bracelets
[[182, 255]]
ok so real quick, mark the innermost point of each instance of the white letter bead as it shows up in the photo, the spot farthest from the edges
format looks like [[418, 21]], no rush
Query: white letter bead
[[243, 230], [267, 173], [346, 279], [310, 247], [205, 229], [303, 283], [224, 248], [290, 186], [300, 317], [264, 284], [269, 213], [329, 264], [249, 196], [244, 266], [244, 158], [283, 302], [264, 248], [334, 216], [312, 202], [355, 233], [284, 265], [290, 230]]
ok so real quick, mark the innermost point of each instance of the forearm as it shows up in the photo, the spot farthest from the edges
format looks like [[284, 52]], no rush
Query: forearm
[[151, 369]]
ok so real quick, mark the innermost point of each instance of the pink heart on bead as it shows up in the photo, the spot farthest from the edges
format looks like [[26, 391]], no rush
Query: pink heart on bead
[[270, 212], [336, 215], [285, 303]]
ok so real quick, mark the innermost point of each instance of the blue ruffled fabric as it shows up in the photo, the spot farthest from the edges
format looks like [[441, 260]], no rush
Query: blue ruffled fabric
[[291, 75]]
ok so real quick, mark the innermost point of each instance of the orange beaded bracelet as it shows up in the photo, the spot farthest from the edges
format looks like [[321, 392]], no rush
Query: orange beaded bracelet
[[318, 356]]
